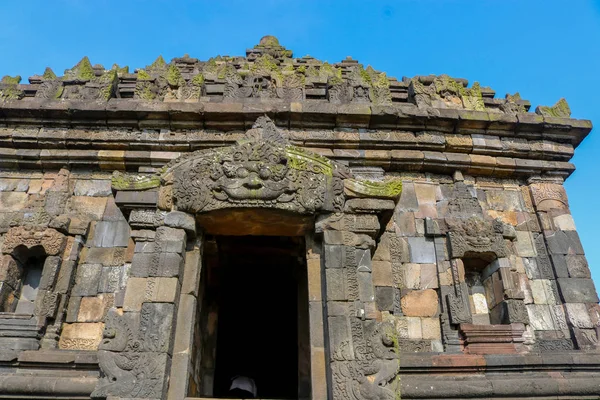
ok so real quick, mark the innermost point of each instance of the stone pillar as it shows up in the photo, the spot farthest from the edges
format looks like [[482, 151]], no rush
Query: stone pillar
[[136, 353], [183, 365], [316, 309], [361, 345]]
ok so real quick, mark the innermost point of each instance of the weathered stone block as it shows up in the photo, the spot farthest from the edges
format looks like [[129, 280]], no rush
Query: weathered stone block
[[564, 222], [564, 242], [577, 290], [162, 290], [81, 336], [429, 276], [181, 220], [110, 280], [73, 309], [50, 272], [111, 234], [540, 317], [155, 326], [334, 257], [93, 187], [91, 206], [167, 237], [336, 284], [12, 201], [91, 309], [366, 290], [135, 294], [524, 245], [384, 297], [577, 266], [368, 205], [408, 199], [340, 338], [363, 260], [430, 328], [10, 271], [382, 273], [87, 280], [422, 250], [420, 303], [578, 315]]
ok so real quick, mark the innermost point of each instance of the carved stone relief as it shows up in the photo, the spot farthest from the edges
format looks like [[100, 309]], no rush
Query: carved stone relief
[[372, 374], [260, 171]]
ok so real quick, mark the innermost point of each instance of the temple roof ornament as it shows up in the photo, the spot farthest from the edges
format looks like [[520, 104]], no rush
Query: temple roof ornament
[[267, 71]]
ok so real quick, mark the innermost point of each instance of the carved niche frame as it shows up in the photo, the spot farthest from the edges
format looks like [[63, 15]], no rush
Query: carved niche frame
[[263, 178], [55, 281]]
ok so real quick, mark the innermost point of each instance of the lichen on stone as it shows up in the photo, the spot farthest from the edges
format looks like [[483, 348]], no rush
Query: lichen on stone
[[174, 77], [49, 74], [82, 71], [11, 80], [390, 189], [559, 110], [472, 98], [108, 84], [121, 181], [142, 75], [9, 88]]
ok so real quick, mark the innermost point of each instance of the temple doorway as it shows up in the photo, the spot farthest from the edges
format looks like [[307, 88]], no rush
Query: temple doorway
[[255, 313]]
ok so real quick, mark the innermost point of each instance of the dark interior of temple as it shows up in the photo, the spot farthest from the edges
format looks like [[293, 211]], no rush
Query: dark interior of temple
[[257, 286]]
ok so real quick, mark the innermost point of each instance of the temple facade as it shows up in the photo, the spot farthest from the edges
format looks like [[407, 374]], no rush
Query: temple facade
[[325, 230]]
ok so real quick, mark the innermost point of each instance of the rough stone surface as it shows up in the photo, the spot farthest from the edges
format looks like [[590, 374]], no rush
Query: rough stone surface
[[420, 303]]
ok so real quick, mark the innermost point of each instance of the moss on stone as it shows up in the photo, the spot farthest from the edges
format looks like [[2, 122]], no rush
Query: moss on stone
[[59, 92], [268, 41], [109, 81], [174, 77], [83, 71], [122, 181], [365, 75], [391, 189], [142, 75], [266, 65], [472, 98], [559, 110], [120, 71], [11, 80], [158, 64], [49, 75], [10, 89], [198, 79]]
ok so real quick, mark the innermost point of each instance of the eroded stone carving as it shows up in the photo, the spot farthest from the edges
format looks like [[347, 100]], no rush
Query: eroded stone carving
[[549, 191], [476, 235], [51, 240], [372, 374], [129, 369], [260, 171]]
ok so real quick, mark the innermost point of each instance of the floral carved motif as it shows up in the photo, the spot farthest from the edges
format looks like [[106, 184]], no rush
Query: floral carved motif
[[549, 191]]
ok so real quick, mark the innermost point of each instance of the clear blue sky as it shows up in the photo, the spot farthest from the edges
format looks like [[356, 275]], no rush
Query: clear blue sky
[[543, 49]]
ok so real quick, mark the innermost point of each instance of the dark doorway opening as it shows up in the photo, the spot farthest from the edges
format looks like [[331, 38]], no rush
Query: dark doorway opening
[[257, 288]]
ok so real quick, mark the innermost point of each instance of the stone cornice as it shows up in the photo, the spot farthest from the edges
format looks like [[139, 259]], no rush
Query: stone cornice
[[241, 115]]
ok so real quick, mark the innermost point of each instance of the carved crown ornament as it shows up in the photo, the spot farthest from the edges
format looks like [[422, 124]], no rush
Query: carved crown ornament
[[262, 170]]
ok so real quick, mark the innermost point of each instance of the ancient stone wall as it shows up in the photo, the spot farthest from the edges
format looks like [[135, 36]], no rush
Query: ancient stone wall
[[439, 237]]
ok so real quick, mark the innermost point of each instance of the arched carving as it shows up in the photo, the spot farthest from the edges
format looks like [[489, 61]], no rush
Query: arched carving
[[49, 239]]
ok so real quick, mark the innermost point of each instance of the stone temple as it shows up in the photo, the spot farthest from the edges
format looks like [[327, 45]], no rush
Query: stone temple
[[327, 230]]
